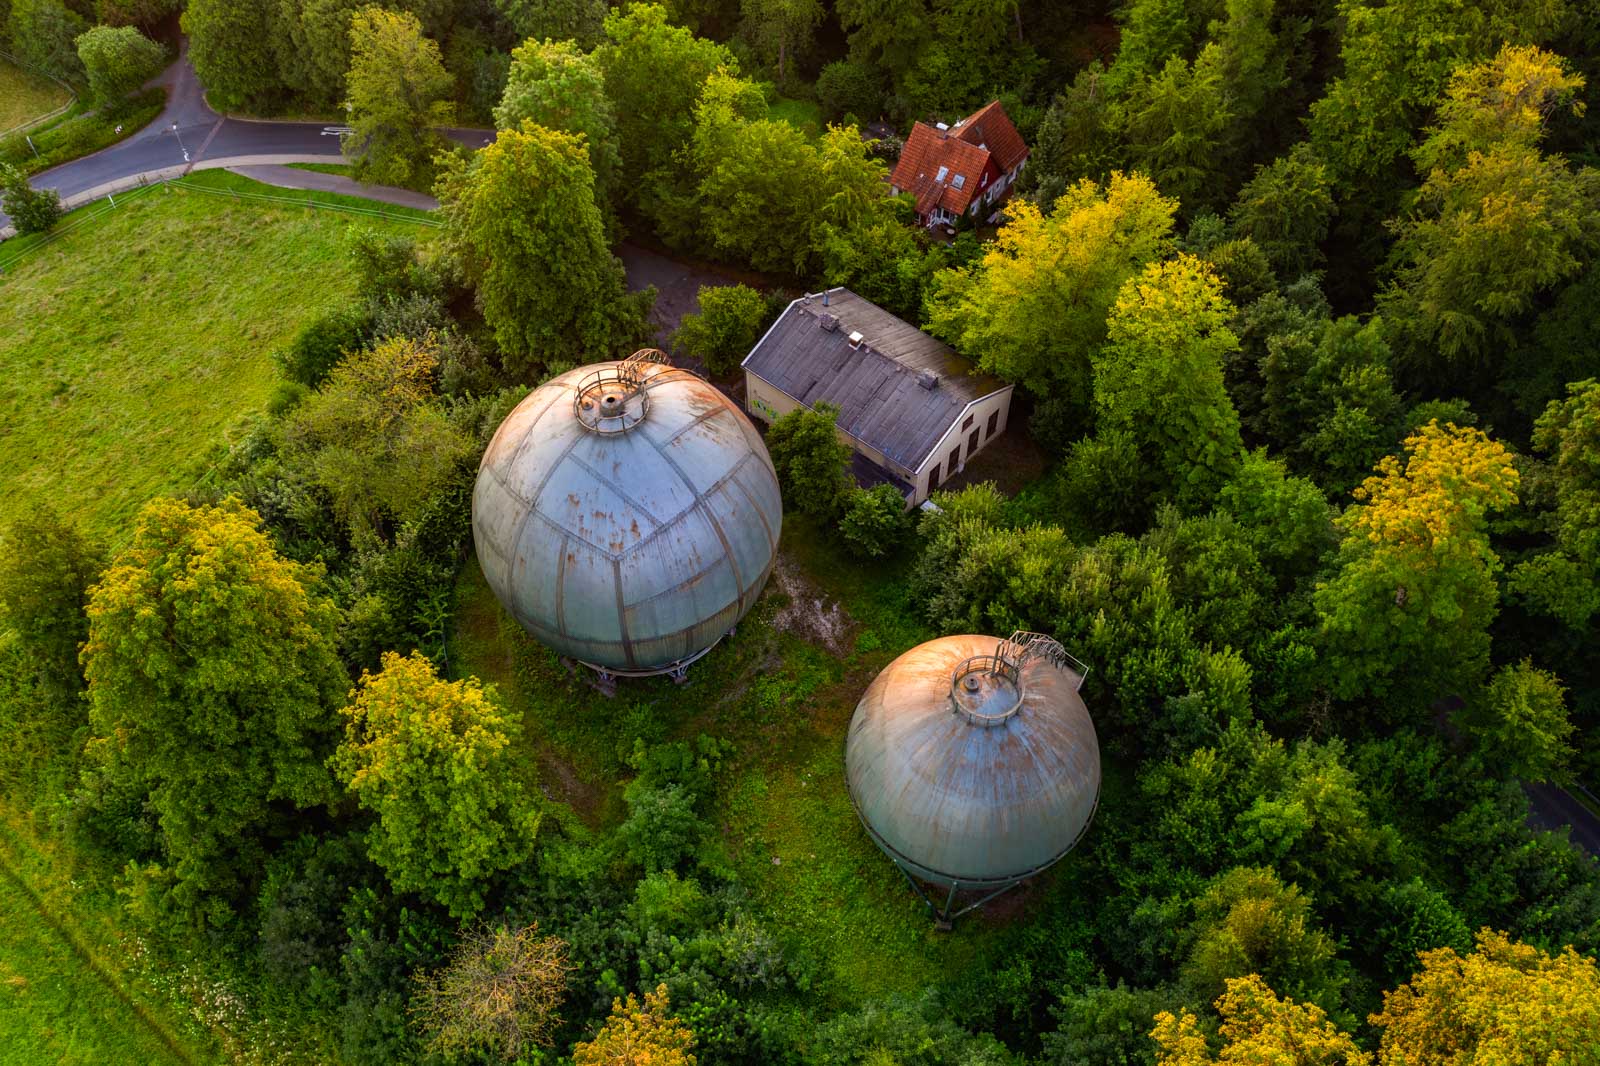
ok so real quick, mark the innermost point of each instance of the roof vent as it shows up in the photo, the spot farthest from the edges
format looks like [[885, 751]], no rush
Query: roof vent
[[856, 337], [940, 126], [828, 322], [928, 379]]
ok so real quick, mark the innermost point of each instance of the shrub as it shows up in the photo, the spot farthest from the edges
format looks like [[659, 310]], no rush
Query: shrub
[[726, 328], [31, 210], [811, 460], [875, 521], [321, 343], [118, 61]]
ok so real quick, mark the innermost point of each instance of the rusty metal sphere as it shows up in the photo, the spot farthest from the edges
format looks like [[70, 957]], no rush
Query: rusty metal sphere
[[972, 765], [627, 514]]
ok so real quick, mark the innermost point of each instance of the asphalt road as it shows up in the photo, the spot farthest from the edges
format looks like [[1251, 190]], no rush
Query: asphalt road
[[189, 125], [1552, 807]]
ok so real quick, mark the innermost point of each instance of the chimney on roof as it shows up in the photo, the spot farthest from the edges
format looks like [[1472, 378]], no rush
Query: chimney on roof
[[824, 297], [928, 379], [828, 322], [856, 338]]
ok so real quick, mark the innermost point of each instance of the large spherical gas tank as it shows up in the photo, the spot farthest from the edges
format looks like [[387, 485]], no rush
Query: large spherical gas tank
[[627, 514], [972, 762]]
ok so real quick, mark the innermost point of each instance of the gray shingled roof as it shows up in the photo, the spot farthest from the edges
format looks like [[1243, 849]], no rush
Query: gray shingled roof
[[878, 386]]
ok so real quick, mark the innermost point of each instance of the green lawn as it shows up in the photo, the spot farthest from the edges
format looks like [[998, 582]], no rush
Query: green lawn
[[25, 96], [228, 181], [139, 343], [804, 115]]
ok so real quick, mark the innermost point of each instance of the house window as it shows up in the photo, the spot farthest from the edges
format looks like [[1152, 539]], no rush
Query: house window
[[994, 420], [933, 478], [965, 422], [943, 173], [959, 180], [972, 444], [955, 456]]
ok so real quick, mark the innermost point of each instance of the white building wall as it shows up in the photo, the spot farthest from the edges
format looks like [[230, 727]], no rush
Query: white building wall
[[957, 439]]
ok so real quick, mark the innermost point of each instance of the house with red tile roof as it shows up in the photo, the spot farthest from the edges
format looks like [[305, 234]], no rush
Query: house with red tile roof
[[960, 169]]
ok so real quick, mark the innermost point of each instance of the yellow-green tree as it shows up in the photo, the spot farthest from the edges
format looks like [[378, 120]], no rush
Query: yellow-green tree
[[1034, 308], [397, 92], [373, 439], [432, 759], [212, 681], [554, 85], [1415, 588], [1159, 377], [1496, 222], [638, 1035], [1505, 1004], [1258, 1029]]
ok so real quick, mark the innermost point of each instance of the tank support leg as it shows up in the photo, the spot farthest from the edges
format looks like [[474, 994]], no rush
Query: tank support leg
[[605, 683], [679, 673]]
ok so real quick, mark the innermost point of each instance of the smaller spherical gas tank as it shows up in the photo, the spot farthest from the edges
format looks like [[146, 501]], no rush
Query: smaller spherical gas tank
[[972, 760], [627, 514]]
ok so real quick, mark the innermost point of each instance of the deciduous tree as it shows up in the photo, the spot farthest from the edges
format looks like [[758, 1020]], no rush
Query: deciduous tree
[[44, 33], [1415, 589], [812, 462], [397, 92], [521, 216], [118, 61], [725, 328], [780, 28], [1159, 377], [230, 44], [638, 1035], [579, 21], [432, 759], [1521, 723], [1257, 1028], [1286, 209], [1034, 308], [31, 210], [1507, 1003], [554, 85], [212, 681]]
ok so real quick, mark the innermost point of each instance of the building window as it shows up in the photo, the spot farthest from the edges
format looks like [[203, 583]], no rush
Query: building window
[[955, 457], [966, 422], [959, 180], [994, 420], [933, 478], [943, 173]]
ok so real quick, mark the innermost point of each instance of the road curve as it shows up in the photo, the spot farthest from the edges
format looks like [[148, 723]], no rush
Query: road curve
[[189, 125]]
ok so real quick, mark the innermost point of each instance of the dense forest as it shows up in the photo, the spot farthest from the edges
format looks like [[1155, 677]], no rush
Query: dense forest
[[1300, 297]]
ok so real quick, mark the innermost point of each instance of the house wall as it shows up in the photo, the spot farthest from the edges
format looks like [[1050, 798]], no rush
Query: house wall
[[956, 436]]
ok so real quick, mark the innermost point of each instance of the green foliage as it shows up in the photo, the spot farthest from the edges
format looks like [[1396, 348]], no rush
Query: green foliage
[[874, 522], [1159, 377], [431, 759], [1287, 518], [31, 210], [779, 29], [847, 87], [1107, 1025], [1286, 209], [521, 218], [1413, 918], [811, 461], [118, 61], [371, 438], [725, 328], [46, 568], [554, 85], [211, 675], [654, 72], [1521, 723], [1249, 922], [561, 20], [312, 47], [44, 33], [396, 93], [321, 344], [1033, 308], [230, 44], [899, 1031]]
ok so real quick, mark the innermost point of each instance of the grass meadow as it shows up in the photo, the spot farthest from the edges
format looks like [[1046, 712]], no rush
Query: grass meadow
[[134, 347], [139, 344], [25, 96]]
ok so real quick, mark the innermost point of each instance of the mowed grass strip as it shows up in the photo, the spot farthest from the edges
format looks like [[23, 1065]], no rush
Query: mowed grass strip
[[136, 345], [25, 96]]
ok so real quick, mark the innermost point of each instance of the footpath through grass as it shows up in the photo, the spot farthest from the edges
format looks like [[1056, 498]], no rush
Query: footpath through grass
[[25, 96], [138, 345]]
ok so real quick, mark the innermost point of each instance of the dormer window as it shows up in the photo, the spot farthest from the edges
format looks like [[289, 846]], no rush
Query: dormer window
[[959, 180], [943, 173]]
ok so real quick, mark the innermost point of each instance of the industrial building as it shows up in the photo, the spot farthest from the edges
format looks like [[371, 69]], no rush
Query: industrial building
[[913, 410], [627, 514], [973, 764]]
